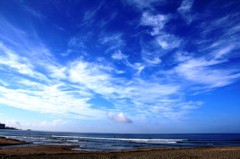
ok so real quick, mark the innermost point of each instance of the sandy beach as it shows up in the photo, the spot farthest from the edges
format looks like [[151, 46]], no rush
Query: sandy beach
[[53, 151]]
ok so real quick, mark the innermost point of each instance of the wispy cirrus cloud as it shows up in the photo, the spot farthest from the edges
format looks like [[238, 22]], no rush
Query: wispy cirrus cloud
[[157, 22], [89, 15], [77, 42], [69, 88], [22, 65], [185, 10], [47, 99], [167, 41], [33, 12], [35, 91], [204, 71], [112, 42], [142, 4], [162, 40], [118, 55], [138, 67], [211, 68]]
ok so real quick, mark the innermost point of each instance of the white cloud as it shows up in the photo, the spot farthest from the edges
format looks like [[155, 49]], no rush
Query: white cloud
[[214, 67], [89, 15], [157, 22], [96, 77], [18, 63], [70, 88], [33, 12], [143, 4], [146, 93], [77, 42], [99, 79], [13, 123], [139, 67], [120, 118], [137, 94], [48, 100], [113, 41], [220, 53], [153, 61], [201, 70], [25, 44], [58, 98], [175, 109], [227, 27], [48, 125], [185, 10], [181, 56], [162, 43], [167, 41], [3, 83], [186, 5], [56, 72], [118, 55], [53, 123], [67, 89]]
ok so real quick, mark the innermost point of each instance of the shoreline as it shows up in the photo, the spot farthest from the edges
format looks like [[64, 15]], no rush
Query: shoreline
[[10, 142], [60, 151]]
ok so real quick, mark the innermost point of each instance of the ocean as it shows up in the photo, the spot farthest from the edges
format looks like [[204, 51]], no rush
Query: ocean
[[107, 141]]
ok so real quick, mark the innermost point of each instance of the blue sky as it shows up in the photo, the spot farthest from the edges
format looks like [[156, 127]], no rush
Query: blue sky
[[133, 66]]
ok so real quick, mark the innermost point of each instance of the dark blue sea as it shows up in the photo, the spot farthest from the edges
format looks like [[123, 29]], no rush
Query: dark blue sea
[[101, 141]]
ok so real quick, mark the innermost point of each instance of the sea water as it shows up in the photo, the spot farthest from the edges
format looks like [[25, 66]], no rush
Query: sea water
[[107, 141]]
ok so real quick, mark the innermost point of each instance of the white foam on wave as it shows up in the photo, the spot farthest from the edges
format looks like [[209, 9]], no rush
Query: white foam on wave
[[137, 140], [74, 140]]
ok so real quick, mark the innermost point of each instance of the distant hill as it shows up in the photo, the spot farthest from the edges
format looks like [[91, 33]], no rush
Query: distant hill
[[3, 126]]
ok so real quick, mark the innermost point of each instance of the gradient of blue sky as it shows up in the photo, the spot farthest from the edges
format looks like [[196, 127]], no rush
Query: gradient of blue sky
[[135, 66]]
